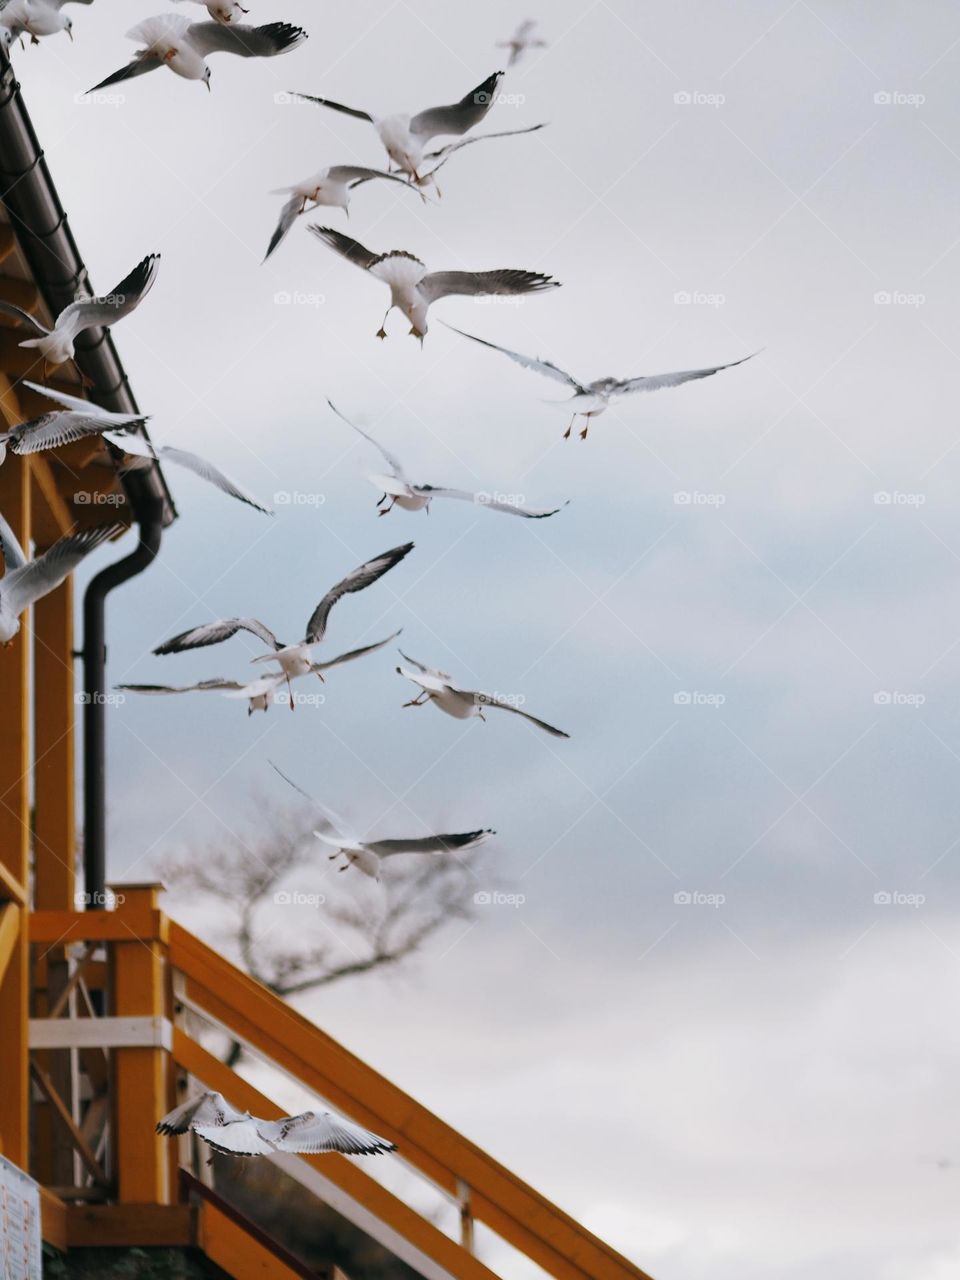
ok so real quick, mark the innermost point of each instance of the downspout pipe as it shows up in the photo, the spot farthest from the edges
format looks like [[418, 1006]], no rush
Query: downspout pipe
[[94, 696]]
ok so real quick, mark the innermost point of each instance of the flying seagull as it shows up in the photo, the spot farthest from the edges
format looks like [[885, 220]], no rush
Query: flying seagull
[[56, 345], [294, 659], [261, 693], [79, 419], [436, 687], [329, 186], [35, 18], [225, 11], [25, 582], [367, 855], [523, 38], [590, 399], [406, 495], [238, 1133], [175, 42], [413, 288], [405, 137]]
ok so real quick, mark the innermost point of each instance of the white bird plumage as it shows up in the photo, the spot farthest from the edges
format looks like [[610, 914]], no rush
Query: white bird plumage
[[35, 18]]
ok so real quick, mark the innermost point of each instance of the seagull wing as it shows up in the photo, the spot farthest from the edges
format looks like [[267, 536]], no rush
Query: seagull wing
[[245, 41], [13, 554], [17, 313], [443, 154], [216, 684], [484, 500], [79, 405], [332, 824], [363, 576], [241, 1138], [91, 313], [290, 212], [441, 676], [205, 1109], [351, 654], [335, 106], [31, 582], [528, 362], [314, 1132], [484, 700], [354, 173], [215, 632], [254, 688], [213, 475], [502, 280], [392, 462], [137, 66], [459, 116], [657, 381], [61, 427], [431, 844], [350, 249]]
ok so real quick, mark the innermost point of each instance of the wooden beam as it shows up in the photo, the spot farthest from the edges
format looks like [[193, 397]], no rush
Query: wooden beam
[[53, 1219], [90, 1162], [10, 923], [15, 491], [140, 1090], [11, 889], [131, 1226], [131, 923], [101, 1033], [46, 488]]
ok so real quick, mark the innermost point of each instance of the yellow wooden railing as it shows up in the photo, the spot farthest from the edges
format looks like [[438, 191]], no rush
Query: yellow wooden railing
[[162, 980]]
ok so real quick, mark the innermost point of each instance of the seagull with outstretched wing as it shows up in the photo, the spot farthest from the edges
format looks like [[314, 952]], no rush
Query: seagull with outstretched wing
[[56, 345], [403, 493], [26, 581], [367, 855], [590, 399], [175, 42], [413, 288], [35, 18], [405, 138], [330, 187], [294, 659], [438, 687], [525, 37]]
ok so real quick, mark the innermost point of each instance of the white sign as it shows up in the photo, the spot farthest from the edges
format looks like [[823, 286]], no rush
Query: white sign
[[21, 1251]]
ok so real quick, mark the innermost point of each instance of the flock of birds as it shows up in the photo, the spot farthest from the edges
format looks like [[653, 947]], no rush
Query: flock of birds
[[415, 152]]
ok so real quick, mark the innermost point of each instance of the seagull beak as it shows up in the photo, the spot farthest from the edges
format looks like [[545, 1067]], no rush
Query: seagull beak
[[207, 83]]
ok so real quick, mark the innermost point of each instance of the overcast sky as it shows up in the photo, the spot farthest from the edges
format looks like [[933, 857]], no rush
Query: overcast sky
[[760, 682]]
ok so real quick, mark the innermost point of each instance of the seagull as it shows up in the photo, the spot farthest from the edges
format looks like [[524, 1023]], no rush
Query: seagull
[[413, 288], [367, 855], [239, 1133], [405, 137], [590, 399], [436, 687], [56, 345], [261, 693], [36, 18], [522, 40], [225, 11], [445, 153], [329, 186], [24, 583], [182, 45], [406, 495], [80, 419], [294, 659]]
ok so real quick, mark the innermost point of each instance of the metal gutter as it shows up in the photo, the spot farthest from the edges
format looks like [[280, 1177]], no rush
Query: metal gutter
[[46, 241]]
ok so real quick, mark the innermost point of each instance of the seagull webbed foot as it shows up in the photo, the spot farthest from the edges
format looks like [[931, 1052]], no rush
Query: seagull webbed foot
[[381, 332]]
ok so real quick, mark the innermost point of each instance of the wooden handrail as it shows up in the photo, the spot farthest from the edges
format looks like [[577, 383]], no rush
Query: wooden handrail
[[511, 1208]]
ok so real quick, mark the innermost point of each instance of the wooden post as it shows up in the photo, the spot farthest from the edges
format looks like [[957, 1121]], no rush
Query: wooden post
[[15, 836], [140, 1077], [55, 842]]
